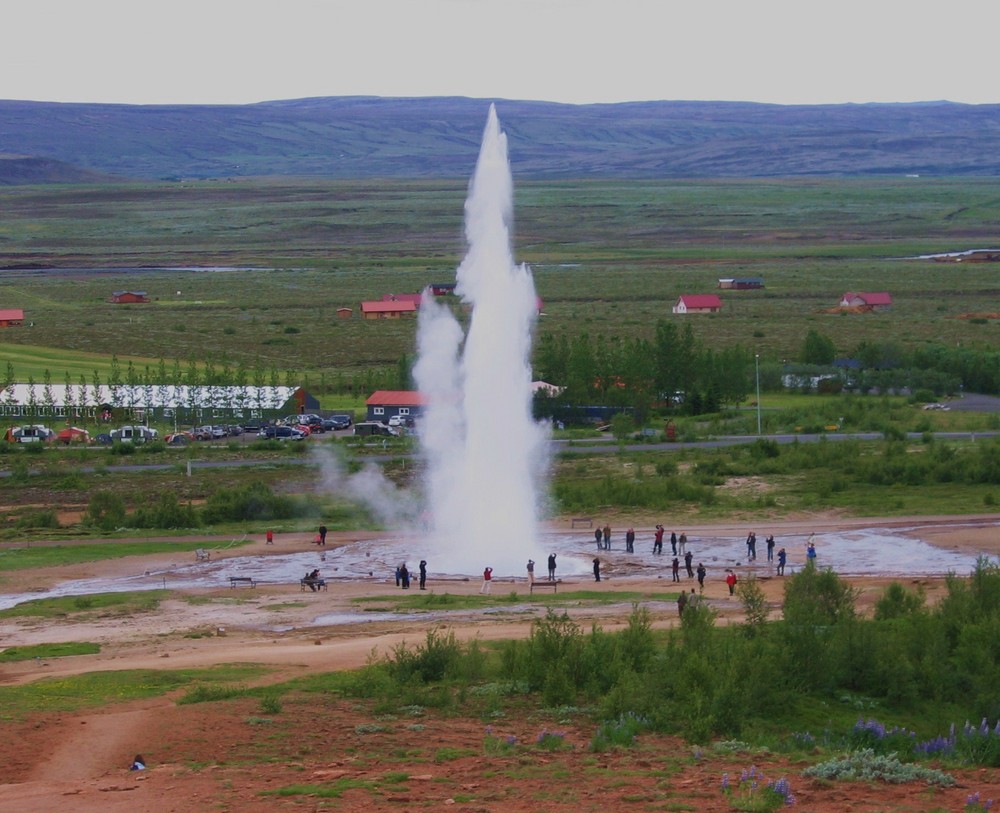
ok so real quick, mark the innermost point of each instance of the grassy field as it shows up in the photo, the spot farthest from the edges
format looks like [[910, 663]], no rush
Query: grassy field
[[609, 257]]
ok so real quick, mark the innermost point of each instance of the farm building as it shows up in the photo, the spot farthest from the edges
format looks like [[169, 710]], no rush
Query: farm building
[[129, 297], [698, 303], [345, 313], [741, 283], [872, 301], [442, 288], [153, 402], [11, 317], [387, 310], [383, 404]]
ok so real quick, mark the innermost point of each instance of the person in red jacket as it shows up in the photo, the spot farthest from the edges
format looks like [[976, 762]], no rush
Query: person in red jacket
[[487, 580], [731, 581]]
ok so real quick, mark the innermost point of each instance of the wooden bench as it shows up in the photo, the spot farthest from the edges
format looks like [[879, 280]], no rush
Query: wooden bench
[[245, 581], [577, 522], [202, 555], [544, 583], [316, 584]]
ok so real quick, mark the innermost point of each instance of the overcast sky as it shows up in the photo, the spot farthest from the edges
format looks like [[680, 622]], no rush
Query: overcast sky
[[576, 51]]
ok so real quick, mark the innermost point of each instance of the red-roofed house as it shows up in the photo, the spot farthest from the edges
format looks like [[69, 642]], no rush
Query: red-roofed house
[[383, 404], [387, 310], [875, 301], [129, 297], [11, 317], [698, 303]]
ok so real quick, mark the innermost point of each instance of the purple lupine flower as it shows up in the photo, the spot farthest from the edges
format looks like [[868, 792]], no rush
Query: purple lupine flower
[[725, 782]]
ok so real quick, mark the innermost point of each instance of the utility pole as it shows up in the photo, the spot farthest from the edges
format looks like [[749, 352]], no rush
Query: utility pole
[[756, 365]]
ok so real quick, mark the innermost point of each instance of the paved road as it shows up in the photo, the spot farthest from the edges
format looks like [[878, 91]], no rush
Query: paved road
[[589, 446]]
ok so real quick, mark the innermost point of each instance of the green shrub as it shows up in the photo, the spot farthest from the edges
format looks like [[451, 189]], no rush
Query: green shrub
[[106, 511], [867, 766], [42, 518], [203, 693], [620, 733]]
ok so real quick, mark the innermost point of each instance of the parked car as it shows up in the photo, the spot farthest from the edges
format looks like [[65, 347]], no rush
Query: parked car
[[337, 422], [218, 432], [33, 433], [202, 433], [400, 420], [253, 425], [373, 428], [134, 434], [281, 433]]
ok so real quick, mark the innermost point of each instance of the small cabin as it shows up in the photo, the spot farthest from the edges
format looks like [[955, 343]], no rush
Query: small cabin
[[741, 283], [387, 309], [866, 301], [129, 297], [11, 317], [698, 303]]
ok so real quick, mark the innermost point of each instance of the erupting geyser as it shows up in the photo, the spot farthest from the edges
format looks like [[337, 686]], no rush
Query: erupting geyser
[[485, 455]]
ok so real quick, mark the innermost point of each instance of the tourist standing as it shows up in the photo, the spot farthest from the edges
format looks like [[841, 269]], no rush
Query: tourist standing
[[322, 534], [598, 537], [688, 559], [731, 581], [404, 576], [673, 542], [782, 557], [597, 569], [675, 568], [552, 567], [531, 571], [607, 537], [682, 541], [770, 547], [658, 540], [269, 537], [423, 574], [487, 581], [682, 600], [630, 540], [701, 576]]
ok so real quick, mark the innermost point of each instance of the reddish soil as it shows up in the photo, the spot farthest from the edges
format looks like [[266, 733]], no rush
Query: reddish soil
[[231, 756]]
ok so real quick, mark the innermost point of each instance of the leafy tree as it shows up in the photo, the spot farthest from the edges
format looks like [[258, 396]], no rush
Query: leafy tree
[[621, 426], [818, 349], [106, 510]]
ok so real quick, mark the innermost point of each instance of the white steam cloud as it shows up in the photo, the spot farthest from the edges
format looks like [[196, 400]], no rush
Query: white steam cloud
[[485, 454]]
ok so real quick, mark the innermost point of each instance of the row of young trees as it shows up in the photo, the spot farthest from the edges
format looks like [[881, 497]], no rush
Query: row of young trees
[[674, 368], [640, 374]]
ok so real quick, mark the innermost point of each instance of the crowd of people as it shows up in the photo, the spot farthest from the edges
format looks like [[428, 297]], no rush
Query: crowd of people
[[777, 558], [682, 557]]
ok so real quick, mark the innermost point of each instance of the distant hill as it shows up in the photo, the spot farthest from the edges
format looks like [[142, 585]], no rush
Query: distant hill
[[16, 170], [362, 137]]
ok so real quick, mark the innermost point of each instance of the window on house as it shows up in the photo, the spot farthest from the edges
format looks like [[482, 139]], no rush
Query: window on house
[[378, 411]]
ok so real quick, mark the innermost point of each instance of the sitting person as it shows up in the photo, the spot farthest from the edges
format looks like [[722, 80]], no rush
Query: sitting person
[[312, 579], [138, 764]]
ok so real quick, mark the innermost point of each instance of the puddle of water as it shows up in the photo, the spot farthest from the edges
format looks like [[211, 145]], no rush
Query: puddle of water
[[862, 551]]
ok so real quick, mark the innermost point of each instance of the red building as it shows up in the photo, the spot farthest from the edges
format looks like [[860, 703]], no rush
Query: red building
[[11, 317], [129, 297], [387, 310]]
